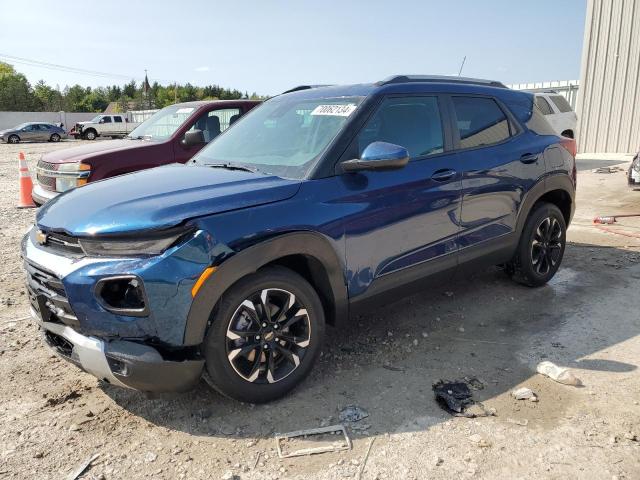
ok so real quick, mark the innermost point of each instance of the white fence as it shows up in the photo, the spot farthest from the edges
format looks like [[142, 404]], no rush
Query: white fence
[[567, 88], [69, 119]]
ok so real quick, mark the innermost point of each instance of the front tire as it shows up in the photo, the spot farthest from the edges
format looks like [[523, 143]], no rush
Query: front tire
[[266, 335], [90, 135], [541, 246], [14, 139]]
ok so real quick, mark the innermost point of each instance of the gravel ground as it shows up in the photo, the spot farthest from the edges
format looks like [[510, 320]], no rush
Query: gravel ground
[[53, 416]]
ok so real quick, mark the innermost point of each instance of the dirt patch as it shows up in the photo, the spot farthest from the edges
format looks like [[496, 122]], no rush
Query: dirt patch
[[53, 417]]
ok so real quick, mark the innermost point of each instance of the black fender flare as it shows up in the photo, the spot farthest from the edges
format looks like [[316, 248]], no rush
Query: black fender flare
[[252, 258], [548, 184]]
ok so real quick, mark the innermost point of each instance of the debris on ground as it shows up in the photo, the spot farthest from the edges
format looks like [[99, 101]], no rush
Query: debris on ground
[[474, 383], [228, 475], [481, 442], [352, 413], [393, 368], [524, 393], [83, 466], [523, 423], [366, 457], [322, 438], [53, 401], [559, 374], [457, 399], [607, 170]]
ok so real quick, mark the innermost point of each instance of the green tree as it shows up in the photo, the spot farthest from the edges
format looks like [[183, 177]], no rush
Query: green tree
[[16, 93], [48, 98]]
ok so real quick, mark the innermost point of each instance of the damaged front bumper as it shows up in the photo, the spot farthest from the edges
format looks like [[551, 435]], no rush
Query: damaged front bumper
[[121, 363], [144, 351]]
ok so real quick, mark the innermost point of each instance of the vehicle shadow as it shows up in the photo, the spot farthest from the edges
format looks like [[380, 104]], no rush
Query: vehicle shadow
[[483, 326], [589, 164]]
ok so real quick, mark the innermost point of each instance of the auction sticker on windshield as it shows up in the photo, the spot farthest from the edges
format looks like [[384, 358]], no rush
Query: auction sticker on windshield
[[334, 110], [184, 110]]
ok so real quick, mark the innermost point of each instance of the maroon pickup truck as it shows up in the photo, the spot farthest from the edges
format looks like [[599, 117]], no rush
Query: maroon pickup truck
[[174, 134]]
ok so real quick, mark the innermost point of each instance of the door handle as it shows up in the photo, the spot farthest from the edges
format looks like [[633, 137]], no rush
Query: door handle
[[529, 158], [443, 175]]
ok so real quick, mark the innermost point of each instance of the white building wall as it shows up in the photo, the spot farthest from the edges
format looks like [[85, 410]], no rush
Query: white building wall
[[609, 101], [11, 119]]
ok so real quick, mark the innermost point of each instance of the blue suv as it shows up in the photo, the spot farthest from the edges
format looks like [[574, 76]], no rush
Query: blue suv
[[317, 205]]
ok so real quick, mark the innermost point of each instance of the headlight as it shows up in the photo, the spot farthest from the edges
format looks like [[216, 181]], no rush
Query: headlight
[[134, 245], [73, 175], [65, 183], [636, 163]]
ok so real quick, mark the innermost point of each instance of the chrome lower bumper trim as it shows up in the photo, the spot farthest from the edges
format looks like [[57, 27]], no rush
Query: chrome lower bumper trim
[[87, 351]]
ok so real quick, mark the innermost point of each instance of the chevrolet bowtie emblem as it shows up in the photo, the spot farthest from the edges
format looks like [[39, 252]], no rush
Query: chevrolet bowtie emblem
[[41, 237]]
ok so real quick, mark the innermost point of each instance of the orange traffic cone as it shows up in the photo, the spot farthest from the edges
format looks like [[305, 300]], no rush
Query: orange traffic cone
[[26, 184]]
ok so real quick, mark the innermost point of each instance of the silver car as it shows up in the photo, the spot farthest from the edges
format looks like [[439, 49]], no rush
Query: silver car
[[33, 132]]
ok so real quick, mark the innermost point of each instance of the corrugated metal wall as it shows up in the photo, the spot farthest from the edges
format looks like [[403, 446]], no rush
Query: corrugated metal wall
[[609, 101]]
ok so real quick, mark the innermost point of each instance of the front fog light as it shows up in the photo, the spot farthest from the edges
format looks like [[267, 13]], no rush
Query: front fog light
[[123, 295]]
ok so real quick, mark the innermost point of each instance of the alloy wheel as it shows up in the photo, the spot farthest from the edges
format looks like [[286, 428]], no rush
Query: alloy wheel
[[546, 246], [268, 336], [13, 139]]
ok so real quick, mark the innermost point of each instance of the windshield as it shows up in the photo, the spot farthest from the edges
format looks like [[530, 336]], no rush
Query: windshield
[[96, 119], [22, 125], [285, 136], [161, 125]]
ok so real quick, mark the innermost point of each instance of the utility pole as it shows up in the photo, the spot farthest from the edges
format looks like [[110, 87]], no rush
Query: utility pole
[[462, 65]]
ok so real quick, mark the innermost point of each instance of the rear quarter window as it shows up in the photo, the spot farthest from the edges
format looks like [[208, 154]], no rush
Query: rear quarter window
[[544, 106], [561, 103], [538, 124], [480, 121]]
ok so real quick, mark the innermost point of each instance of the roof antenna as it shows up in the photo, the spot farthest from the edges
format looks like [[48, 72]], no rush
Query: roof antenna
[[462, 65]]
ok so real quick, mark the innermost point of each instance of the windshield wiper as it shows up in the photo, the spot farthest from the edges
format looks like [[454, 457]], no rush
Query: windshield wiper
[[232, 166], [139, 137]]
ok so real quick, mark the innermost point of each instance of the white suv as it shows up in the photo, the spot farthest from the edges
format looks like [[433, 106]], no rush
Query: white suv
[[558, 112]]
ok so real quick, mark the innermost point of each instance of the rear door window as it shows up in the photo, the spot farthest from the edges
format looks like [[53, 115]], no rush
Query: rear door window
[[117, 119], [480, 121], [411, 122], [544, 106], [561, 103], [215, 122]]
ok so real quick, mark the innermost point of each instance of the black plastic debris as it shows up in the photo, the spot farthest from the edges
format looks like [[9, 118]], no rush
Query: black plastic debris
[[457, 398]]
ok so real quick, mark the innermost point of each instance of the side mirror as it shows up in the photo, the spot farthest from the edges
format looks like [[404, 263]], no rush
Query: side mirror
[[193, 138], [379, 156]]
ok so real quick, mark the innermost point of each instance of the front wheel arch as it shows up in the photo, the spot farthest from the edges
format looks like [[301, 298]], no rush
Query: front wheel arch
[[253, 258]]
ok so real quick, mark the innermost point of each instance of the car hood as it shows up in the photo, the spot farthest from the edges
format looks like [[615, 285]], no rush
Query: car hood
[[8, 130], [159, 198], [85, 152]]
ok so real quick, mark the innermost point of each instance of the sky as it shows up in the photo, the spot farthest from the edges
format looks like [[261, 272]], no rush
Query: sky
[[270, 46]]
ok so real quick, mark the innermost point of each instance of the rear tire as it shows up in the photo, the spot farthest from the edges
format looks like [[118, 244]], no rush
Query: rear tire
[[55, 138], [255, 354], [541, 247]]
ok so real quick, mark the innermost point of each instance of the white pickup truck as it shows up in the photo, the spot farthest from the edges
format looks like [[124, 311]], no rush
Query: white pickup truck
[[109, 125]]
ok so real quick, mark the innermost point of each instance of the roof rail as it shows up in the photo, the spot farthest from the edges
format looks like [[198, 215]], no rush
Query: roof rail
[[303, 87], [439, 79]]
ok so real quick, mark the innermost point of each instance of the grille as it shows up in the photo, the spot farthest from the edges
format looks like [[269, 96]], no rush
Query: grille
[[64, 243], [44, 180], [46, 165], [47, 182], [48, 297]]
